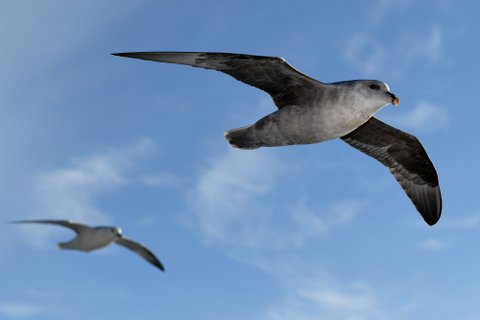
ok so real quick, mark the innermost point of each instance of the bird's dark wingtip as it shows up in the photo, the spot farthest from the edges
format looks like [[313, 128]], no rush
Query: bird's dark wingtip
[[432, 215], [428, 202], [437, 208], [120, 54], [431, 220], [134, 55]]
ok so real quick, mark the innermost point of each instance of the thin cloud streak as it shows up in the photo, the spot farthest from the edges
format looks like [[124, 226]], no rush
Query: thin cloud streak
[[466, 222], [17, 310], [320, 296], [434, 45], [433, 244]]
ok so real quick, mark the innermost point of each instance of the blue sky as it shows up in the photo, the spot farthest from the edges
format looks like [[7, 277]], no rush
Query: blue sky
[[301, 232]]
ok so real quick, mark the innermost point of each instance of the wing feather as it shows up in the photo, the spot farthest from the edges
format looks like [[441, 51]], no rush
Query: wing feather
[[140, 250], [77, 227], [406, 159], [274, 75]]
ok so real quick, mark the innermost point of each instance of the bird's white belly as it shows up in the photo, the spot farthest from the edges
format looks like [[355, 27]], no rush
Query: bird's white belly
[[304, 125], [335, 123], [95, 239]]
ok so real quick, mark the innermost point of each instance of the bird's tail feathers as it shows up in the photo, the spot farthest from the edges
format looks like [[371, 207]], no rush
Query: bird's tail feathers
[[62, 245], [242, 138]]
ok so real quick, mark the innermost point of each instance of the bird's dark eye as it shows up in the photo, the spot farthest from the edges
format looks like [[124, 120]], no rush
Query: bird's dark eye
[[374, 86]]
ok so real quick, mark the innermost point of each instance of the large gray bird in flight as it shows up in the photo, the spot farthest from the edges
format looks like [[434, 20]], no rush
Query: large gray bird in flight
[[93, 238], [310, 111]]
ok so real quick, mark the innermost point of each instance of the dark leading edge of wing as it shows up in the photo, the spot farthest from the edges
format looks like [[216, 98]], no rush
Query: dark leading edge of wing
[[407, 160], [140, 250], [64, 223], [274, 75]]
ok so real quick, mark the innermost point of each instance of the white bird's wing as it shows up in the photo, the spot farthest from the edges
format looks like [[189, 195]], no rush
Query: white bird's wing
[[77, 227], [407, 160], [141, 250], [273, 75]]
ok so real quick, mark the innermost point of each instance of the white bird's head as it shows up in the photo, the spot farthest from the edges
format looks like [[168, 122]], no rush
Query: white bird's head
[[374, 93], [378, 90], [115, 231], [367, 95]]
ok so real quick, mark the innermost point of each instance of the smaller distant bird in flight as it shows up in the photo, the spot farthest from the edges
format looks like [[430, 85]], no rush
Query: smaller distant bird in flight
[[93, 238], [311, 111]]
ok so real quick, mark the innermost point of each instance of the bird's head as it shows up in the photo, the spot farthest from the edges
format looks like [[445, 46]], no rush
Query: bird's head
[[380, 91], [117, 231]]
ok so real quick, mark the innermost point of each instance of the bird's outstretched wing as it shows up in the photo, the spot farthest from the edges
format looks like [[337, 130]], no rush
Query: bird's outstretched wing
[[274, 75], [407, 160], [141, 250], [77, 227]]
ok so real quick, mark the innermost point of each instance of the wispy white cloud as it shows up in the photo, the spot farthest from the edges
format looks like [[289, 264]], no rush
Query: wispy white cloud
[[434, 244], [420, 47], [434, 45], [425, 116], [37, 39], [306, 219], [240, 200], [70, 192], [48, 33], [344, 212], [17, 310], [337, 300], [382, 10], [161, 180], [372, 56], [225, 192], [463, 223], [325, 298], [308, 290], [365, 53], [449, 230], [237, 201]]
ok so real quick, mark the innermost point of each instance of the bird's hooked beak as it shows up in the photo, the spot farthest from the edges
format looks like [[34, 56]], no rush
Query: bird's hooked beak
[[395, 99]]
